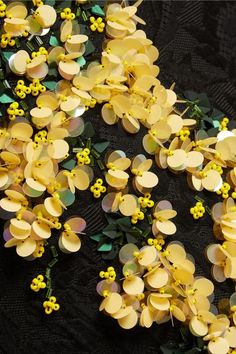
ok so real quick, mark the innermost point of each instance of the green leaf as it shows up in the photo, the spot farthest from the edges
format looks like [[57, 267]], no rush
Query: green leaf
[[7, 55], [69, 165], [96, 237], [131, 238], [110, 227], [105, 247], [112, 254], [53, 41], [50, 84], [216, 114], [5, 99], [216, 123], [64, 4], [124, 223], [81, 61], [88, 130], [97, 10], [208, 120], [101, 147], [50, 2], [213, 131], [52, 72], [111, 234], [89, 48]]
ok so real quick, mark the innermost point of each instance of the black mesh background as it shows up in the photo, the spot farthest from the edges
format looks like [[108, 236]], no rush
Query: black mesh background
[[197, 43]]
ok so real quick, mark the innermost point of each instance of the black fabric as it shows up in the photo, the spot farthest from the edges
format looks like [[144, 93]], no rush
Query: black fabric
[[197, 43]]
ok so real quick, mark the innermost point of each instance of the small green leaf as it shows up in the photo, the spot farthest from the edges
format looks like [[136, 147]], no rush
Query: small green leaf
[[89, 48], [81, 61], [124, 223], [110, 227], [7, 55], [111, 234], [69, 165], [112, 254], [50, 2], [50, 84], [131, 238], [96, 237], [97, 10], [105, 247], [52, 72], [216, 123], [88, 130], [101, 147], [5, 99]]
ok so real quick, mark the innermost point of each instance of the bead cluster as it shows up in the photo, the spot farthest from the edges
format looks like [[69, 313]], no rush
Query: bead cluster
[[183, 134], [110, 274], [83, 157], [51, 305], [67, 14], [198, 210], [2, 8], [38, 283], [96, 24], [6, 39], [97, 189], [14, 111], [36, 87], [224, 190], [138, 215], [21, 89], [146, 201], [224, 124], [37, 3], [41, 51]]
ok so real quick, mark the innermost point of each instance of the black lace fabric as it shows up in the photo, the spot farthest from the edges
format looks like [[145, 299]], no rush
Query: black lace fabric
[[197, 44]]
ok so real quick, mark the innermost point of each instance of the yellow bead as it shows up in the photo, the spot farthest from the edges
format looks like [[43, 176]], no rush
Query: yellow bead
[[150, 241], [93, 28]]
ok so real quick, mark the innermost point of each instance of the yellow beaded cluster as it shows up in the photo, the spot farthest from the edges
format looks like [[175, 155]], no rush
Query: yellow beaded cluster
[[224, 190], [51, 305], [38, 2], [146, 201], [83, 157], [138, 215], [96, 24], [39, 250], [14, 112], [91, 103], [41, 51], [183, 134], [110, 274], [66, 14], [41, 137], [197, 211], [36, 87], [158, 242], [217, 168], [2, 8], [21, 89], [224, 124], [6, 39], [97, 188], [38, 283]]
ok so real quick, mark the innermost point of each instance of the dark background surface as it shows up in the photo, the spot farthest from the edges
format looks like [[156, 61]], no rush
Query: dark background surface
[[197, 43]]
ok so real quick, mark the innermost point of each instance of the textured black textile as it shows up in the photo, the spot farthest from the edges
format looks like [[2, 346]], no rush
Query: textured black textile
[[197, 43]]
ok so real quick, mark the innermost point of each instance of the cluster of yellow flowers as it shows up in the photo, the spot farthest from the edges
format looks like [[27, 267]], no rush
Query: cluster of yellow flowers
[[159, 284]]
